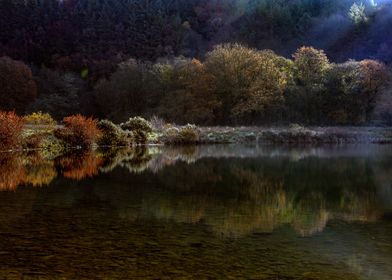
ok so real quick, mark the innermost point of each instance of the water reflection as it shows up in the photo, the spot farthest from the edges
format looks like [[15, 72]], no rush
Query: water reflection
[[234, 190], [198, 213]]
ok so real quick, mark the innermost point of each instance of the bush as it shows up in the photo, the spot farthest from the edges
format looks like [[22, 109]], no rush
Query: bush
[[111, 134], [78, 131], [139, 127], [188, 134], [40, 122], [39, 118], [137, 124], [11, 126]]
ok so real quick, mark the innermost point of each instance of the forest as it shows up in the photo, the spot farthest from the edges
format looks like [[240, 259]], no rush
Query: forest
[[220, 62]]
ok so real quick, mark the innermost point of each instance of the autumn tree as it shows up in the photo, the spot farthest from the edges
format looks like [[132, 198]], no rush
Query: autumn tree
[[190, 98], [17, 85], [244, 79], [374, 77], [305, 96]]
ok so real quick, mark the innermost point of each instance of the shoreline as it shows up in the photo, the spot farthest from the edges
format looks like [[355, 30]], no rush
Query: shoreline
[[263, 135]]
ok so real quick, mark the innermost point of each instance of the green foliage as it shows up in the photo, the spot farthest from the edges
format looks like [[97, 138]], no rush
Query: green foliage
[[137, 124], [188, 134], [245, 80], [139, 127], [58, 93], [130, 90], [111, 134]]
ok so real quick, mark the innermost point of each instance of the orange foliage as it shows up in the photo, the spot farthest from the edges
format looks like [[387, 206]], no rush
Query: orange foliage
[[11, 126], [78, 131], [80, 166]]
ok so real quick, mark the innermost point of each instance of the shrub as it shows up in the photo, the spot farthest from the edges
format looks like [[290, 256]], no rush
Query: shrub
[[137, 124], [11, 126], [39, 118], [78, 131], [139, 127], [40, 122], [185, 135], [157, 123], [111, 134]]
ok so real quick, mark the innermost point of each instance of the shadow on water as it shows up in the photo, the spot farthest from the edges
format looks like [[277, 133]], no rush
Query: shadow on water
[[198, 212]]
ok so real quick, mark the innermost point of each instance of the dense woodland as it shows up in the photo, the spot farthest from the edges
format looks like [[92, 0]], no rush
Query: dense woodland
[[199, 61]]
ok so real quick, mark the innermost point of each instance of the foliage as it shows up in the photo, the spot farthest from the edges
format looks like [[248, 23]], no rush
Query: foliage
[[137, 124], [188, 134], [189, 96], [17, 85], [139, 128], [357, 13], [78, 131], [111, 134], [246, 80], [39, 118], [128, 91], [58, 93], [310, 65], [11, 126]]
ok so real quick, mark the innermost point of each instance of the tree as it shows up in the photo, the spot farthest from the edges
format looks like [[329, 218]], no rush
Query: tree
[[343, 90], [128, 92], [357, 14], [244, 79], [305, 96], [190, 98], [310, 65], [374, 77], [17, 85], [266, 93], [58, 93]]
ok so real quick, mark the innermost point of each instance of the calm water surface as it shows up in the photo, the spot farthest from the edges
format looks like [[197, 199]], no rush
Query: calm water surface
[[213, 212]]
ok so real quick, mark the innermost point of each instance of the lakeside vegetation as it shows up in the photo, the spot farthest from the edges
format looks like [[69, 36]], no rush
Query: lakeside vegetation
[[234, 85], [39, 131]]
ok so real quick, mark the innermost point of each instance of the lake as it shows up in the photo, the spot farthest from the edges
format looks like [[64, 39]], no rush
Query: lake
[[206, 212]]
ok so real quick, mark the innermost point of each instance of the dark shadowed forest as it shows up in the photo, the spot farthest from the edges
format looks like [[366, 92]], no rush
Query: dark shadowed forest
[[199, 61]]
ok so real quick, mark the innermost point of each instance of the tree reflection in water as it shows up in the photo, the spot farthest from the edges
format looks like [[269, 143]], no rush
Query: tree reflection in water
[[235, 194]]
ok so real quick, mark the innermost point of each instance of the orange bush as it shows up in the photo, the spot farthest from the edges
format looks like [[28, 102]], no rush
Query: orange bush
[[11, 126], [78, 131]]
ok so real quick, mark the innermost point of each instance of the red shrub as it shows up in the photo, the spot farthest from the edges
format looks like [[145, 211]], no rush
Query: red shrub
[[78, 131], [11, 126]]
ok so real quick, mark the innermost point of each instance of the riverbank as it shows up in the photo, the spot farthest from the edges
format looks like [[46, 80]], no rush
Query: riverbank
[[296, 135]]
